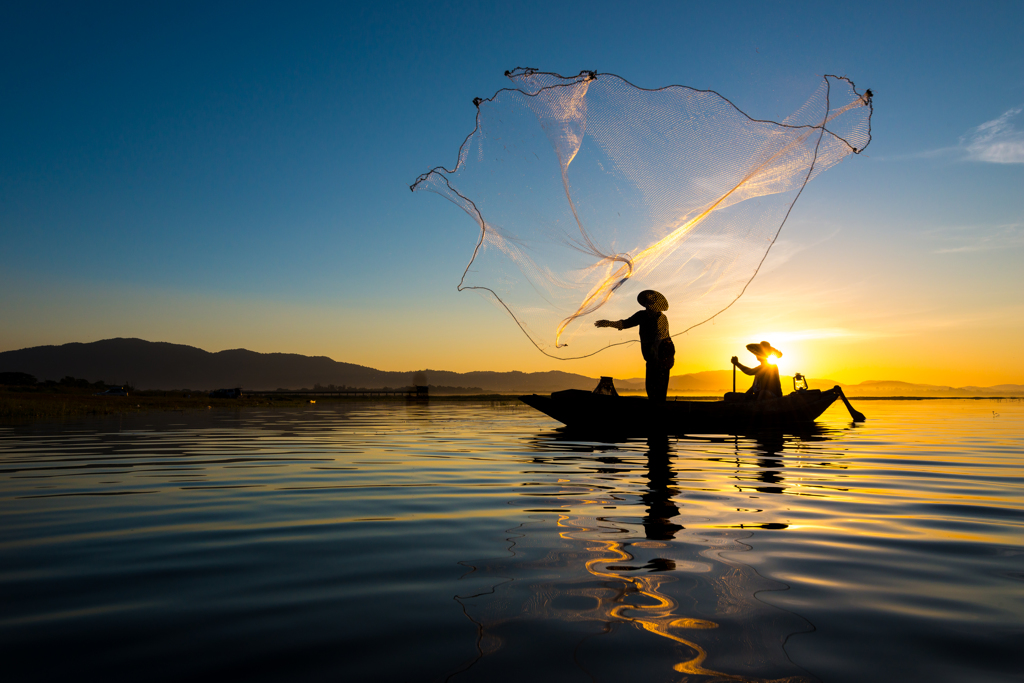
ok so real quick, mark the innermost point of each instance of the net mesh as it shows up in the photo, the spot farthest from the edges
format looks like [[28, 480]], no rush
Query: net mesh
[[588, 189]]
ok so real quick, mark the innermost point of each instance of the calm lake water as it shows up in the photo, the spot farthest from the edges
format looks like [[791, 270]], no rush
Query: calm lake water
[[474, 542]]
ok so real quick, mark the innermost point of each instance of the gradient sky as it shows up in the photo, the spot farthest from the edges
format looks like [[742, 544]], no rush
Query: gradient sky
[[237, 175]]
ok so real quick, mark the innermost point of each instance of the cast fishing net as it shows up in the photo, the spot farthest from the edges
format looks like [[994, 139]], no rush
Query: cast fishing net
[[589, 189]]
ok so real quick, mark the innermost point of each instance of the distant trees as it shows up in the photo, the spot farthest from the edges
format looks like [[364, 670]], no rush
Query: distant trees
[[68, 383], [17, 379]]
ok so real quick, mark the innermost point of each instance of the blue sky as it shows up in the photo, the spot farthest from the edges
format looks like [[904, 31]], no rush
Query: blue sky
[[236, 174]]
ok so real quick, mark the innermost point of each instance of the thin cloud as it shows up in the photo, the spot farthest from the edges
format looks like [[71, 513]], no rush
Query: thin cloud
[[939, 153], [997, 141], [834, 333], [965, 240], [784, 250], [939, 319]]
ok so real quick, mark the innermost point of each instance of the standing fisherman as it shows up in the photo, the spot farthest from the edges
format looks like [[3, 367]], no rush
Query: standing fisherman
[[655, 341]]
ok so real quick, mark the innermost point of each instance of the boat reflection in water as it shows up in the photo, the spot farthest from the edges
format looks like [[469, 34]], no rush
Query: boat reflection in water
[[587, 592]]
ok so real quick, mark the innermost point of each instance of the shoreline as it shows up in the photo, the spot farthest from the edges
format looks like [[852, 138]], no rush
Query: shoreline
[[21, 407]]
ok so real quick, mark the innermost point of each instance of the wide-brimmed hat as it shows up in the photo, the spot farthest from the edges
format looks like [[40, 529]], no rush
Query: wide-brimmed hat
[[651, 299], [763, 350]]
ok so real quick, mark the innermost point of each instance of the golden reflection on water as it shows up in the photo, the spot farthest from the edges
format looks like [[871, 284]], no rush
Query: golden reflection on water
[[889, 536], [660, 617], [643, 601]]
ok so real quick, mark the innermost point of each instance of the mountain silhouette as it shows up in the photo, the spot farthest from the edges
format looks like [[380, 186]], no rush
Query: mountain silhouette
[[161, 365]]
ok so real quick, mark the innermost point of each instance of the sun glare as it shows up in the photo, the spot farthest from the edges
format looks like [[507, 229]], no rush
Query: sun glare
[[772, 360]]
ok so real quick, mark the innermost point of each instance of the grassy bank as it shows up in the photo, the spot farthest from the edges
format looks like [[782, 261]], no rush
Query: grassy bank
[[30, 406]]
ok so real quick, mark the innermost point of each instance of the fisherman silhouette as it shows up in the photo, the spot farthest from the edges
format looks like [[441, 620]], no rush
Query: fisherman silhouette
[[658, 525], [766, 375], [655, 341]]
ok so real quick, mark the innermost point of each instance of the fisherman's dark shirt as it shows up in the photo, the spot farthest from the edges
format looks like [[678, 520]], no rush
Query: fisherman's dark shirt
[[767, 377], [653, 329]]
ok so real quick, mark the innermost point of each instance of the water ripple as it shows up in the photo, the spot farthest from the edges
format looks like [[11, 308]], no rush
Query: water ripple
[[474, 541]]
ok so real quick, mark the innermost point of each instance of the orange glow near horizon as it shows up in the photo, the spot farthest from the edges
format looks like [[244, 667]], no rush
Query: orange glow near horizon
[[468, 334]]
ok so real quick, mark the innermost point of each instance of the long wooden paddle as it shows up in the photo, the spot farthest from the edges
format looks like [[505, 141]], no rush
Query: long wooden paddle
[[857, 416]]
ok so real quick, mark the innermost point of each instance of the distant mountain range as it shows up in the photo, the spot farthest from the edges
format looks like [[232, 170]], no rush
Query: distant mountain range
[[160, 365]]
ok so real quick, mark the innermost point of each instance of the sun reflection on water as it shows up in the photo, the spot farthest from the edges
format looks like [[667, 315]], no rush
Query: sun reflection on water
[[658, 618], [624, 590], [711, 557]]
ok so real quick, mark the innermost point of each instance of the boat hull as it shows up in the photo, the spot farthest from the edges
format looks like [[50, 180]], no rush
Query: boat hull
[[583, 410]]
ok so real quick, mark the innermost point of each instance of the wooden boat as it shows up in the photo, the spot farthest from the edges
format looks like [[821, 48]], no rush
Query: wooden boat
[[584, 410]]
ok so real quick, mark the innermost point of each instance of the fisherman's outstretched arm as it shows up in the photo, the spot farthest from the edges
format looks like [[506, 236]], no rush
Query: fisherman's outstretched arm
[[631, 321]]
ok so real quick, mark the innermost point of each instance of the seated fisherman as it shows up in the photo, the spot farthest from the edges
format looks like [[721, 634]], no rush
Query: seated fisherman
[[655, 341], [766, 375]]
